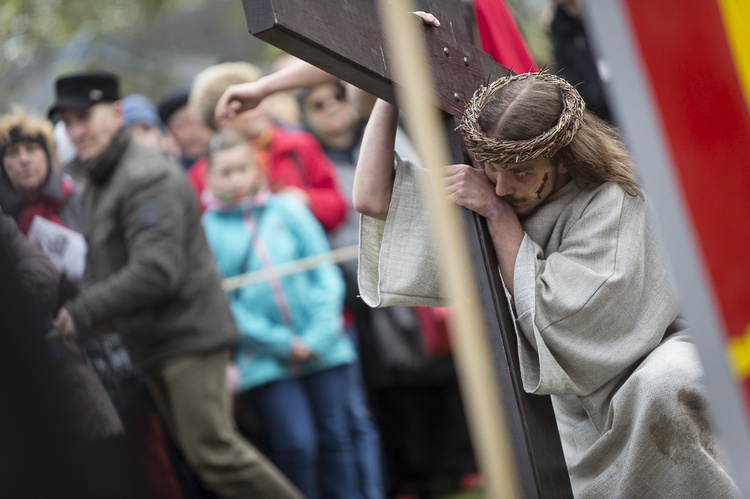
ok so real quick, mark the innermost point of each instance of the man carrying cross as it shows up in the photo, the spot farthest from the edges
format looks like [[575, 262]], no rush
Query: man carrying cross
[[595, 306], [596, 310]]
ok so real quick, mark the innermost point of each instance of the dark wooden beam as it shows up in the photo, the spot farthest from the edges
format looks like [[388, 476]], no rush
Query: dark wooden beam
[[538, 454], [345, 39], [312, 30]]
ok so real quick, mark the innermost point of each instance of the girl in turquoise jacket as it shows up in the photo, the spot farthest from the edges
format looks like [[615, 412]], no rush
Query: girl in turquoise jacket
[[293, 350]]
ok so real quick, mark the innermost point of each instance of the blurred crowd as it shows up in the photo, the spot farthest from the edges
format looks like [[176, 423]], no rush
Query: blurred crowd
[[345, 400]]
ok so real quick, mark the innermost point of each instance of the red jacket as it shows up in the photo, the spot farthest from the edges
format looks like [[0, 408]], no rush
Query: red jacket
[[294, 158]]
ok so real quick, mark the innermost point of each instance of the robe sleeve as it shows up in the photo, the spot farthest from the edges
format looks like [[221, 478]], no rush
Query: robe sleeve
[[398, 263], [589, 311]]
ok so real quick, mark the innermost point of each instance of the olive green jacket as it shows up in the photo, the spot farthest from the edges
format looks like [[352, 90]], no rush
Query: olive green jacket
[[149, 272]]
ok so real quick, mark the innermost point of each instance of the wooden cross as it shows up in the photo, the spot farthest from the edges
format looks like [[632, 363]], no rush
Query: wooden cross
[[345, 39]]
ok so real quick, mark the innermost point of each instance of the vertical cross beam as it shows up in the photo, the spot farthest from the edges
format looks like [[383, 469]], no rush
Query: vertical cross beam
[[344, 38]]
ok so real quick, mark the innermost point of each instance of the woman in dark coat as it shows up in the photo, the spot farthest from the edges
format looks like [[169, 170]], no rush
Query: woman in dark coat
[[32, 186]]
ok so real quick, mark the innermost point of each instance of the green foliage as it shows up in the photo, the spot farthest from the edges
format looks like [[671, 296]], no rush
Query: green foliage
[[153, 45], [37, 26], [533, 18]]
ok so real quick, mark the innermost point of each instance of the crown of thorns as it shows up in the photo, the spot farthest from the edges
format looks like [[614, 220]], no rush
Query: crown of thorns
[[491, 150]]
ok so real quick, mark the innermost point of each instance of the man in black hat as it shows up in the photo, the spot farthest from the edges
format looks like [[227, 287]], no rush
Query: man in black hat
[[82, 95], [150, 275]]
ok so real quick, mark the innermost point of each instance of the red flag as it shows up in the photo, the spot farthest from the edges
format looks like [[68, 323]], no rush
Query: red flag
[[681, 85], [500, 36]]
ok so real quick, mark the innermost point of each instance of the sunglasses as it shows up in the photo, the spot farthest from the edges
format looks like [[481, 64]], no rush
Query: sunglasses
[[319, 105]]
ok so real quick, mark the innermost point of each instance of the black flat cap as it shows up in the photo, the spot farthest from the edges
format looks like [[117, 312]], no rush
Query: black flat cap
[[83, 90]]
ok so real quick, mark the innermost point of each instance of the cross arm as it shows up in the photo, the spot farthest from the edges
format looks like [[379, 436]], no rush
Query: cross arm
[[344, 38]]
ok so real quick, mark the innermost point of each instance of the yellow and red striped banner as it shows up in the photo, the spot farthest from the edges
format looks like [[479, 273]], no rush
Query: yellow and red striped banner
[[735, 15], [680, 89], [696, 56]]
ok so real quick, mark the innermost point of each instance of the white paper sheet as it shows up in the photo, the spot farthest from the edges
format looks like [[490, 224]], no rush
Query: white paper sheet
[[65, 247]]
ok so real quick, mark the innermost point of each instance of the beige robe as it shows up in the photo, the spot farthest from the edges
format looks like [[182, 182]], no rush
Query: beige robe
[[593, 297]]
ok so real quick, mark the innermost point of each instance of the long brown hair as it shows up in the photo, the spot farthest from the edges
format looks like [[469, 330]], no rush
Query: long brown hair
[[526, 108]]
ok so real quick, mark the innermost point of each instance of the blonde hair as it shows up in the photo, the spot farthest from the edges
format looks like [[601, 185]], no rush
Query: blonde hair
[[29, 126], [210, 83]]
